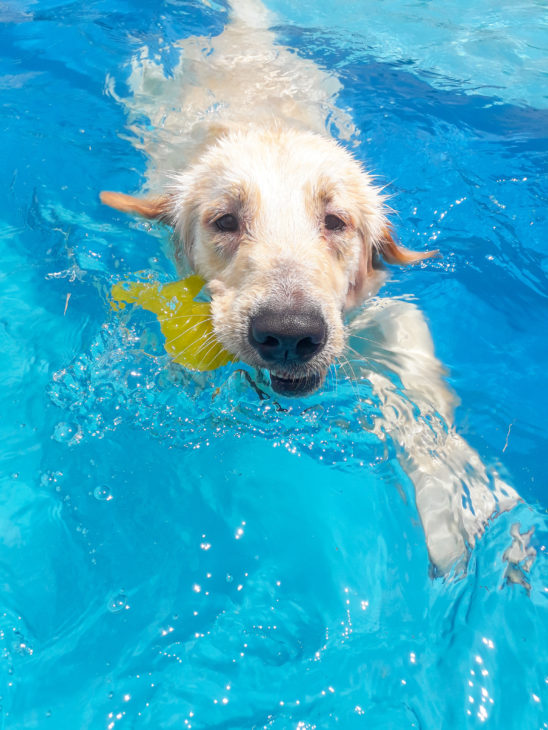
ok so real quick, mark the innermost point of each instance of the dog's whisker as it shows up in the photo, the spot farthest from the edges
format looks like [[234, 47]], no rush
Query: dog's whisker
[[182, 334], [210, 340], [365, 339], [359, 356], [208, 343], [332, 371], [207, 363], [353, 381], [166, 318], [184, 316]]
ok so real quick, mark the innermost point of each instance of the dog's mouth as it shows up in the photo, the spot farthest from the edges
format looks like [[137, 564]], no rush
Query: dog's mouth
[[296, 386]]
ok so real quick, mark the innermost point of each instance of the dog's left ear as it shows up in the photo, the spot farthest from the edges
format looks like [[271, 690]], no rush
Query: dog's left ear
[[393, 253], [152, 208]]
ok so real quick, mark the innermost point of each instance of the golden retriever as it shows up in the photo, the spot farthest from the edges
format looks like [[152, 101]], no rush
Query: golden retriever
[[288, 229]]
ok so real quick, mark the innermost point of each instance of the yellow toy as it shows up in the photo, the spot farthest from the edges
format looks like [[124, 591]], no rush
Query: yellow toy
[[185, 323]]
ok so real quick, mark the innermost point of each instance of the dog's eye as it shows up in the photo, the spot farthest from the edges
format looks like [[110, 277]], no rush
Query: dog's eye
[[227, 223], [333, 223]]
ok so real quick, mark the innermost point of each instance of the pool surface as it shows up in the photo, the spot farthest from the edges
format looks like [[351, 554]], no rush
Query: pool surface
[[176, 552]]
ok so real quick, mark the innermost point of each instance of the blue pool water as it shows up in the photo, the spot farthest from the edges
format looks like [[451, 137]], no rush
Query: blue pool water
[[171, 559]]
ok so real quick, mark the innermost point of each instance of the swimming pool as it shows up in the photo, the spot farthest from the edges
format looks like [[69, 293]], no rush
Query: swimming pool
[[171, 559]]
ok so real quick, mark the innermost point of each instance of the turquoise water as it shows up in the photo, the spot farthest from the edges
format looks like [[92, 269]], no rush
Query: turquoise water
[[176, 552]]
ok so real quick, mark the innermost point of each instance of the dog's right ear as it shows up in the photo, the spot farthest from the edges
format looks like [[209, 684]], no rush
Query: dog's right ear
[[152, 208]]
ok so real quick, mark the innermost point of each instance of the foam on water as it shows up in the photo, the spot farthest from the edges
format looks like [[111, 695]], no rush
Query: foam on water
[[180, 551]]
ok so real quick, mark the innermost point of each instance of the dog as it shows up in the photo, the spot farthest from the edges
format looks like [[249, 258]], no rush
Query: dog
[[290, 231]]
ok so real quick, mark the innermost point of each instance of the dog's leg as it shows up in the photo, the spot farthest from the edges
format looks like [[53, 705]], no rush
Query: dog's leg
[[455, 496]]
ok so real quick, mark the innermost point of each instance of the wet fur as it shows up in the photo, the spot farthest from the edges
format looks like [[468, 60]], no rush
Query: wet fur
[[243, 127], [280, 183]]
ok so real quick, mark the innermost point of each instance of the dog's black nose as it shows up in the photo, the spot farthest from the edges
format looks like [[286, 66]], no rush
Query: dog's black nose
[[284, 336]]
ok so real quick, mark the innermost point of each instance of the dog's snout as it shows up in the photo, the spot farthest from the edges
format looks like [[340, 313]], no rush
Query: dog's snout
[[284, 336]]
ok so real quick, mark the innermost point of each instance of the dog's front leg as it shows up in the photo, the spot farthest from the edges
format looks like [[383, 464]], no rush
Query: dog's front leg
[[455, 496]]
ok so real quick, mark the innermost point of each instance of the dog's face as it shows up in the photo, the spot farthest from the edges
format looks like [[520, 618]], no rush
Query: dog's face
[[283, 225], [276, 221]]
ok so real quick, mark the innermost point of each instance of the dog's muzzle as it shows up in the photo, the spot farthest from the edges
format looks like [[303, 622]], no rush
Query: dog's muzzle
[[286, 339]]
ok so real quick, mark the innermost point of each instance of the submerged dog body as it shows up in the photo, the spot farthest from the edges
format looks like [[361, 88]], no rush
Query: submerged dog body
[[288, 229]]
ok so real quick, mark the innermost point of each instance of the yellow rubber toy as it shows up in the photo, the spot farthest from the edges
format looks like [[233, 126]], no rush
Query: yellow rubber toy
[[185, 323]]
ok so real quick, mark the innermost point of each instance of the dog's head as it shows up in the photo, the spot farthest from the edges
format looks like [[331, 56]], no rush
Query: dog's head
[[285, 226]]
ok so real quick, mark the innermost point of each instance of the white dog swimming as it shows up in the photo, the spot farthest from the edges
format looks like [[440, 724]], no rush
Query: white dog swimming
[[289, 231]]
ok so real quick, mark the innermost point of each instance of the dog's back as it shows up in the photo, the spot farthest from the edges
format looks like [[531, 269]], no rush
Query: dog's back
[[241, 77]]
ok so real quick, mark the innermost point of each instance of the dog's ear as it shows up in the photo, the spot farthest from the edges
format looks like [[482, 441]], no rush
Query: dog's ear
[[393, 253], [152, 208]]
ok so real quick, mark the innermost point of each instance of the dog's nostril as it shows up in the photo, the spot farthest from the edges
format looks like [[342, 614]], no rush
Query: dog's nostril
[[287, 336], [307, 347], [265, 339]]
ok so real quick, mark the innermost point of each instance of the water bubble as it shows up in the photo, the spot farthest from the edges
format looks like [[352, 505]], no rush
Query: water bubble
[[102, 493], [49, 478], [104, 392], [67, 433], [20, 645], [118, 603]]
